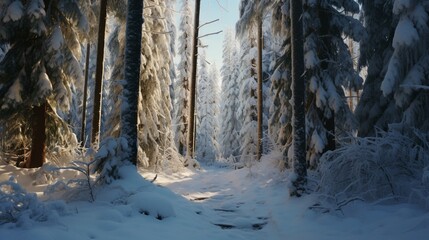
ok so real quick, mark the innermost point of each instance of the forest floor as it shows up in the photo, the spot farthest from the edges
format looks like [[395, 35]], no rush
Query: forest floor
[[210, 203]]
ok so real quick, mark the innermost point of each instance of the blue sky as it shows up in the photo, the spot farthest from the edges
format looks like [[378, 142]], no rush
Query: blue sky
[[227, 13]]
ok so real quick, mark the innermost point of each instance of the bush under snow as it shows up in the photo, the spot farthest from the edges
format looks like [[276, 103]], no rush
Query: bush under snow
[[391, 167], [20, 208]]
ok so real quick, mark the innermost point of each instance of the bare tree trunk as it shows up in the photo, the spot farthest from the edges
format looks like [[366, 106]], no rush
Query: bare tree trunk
[[260, 100], [129, 111], [193, 84], [298, 97], [85, 96], [37, 156], [99, 74]]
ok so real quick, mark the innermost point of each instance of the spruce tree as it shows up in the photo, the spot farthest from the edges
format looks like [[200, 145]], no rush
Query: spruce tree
[[229, 123], [397, 58], [39, 69], [329, 70], [181, 106], [207, 110]]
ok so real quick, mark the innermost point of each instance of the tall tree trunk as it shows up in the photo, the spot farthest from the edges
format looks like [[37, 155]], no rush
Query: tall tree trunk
[[131, 90], [85, 96], [193, 84], [38, 125], [99, 74], [260, 100], [298, 97]]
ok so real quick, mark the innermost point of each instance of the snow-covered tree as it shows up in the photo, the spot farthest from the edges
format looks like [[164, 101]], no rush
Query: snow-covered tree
[[280, 128], [181, 106], [401, 78], [154, 121], [169, 13], [329, 69], [207, 112], [229, 123], [247, 112], [251, 20], [374, 109], [41, 66]]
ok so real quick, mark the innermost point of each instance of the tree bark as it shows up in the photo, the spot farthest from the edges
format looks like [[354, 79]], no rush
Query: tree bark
[[85, 96], [298, 96], [260, 100], [99, 74], [131, 90], [38, 125], [193, 83]]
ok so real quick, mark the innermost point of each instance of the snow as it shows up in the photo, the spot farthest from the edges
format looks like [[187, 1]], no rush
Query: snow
[[400, 6], [405, 33], [213, 203], [310, 60], [56, 40], [44, 84], [14, 12], [14, 92]]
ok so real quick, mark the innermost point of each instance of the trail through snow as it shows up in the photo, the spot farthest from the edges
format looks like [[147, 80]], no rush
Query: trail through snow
[[254, 204], [212, 203]]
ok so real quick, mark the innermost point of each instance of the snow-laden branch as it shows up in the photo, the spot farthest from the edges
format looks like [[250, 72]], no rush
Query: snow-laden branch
[[153, 6], [416, 87]]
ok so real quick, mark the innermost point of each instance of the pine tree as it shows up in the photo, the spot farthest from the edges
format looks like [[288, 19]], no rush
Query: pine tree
[[192, 87], [41, 66], [247, 111], [397, 58], [251, 18], [98, 86], [207, 110], [181, 107], [329, 70], [280, 124], [230, 124], [154, 121]]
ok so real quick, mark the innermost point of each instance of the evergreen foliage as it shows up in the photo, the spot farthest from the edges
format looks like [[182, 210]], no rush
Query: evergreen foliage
[[181, 86], [154, 119], [42, 63], [229, 122], [374, 109], [207, 110], [397, 59]]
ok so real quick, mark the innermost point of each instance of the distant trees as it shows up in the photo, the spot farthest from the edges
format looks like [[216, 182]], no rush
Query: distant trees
[[207, 110], [229, 122]]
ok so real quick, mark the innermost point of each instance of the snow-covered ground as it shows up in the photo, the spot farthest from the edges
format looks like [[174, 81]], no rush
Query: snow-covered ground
[[212, 203]]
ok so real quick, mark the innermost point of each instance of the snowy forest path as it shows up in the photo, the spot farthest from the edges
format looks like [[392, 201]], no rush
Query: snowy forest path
[[224, 199]]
